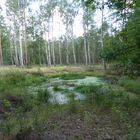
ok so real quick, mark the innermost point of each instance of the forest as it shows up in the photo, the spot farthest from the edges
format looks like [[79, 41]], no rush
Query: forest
[[69, 69]]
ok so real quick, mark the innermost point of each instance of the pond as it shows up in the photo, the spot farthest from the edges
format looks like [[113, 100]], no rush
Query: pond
[[63, 91]]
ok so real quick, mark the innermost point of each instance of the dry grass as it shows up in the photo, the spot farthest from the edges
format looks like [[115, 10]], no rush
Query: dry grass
[[46, 70]]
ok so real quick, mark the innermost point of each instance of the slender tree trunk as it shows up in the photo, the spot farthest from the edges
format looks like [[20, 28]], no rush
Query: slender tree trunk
[[67, 52], [11, 51], [85, 47], [93, 56], [102, 45], [21, 51], [20, 34], [16, 52], [39, 54], [85, 35], [21, 44], [46, 49], [73, 48], [49, 49], [60, 55], [85, 38], [89, 58], [25, 37], [88, 47], [16, 60], [53, 51], [1, 56], [49, 53]]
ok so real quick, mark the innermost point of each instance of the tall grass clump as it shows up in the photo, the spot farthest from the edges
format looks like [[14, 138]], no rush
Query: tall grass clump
[[43, 95], [72, 76], [130, 84], [93, 92], [108, 97], [19, 80]]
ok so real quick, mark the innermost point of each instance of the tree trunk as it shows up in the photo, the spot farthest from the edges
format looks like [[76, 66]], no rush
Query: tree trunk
[[73, 49], [93, 55], [21, 49], [21, 34], [60, 55], [1, 56], [102, 44], [49, 49], [47, 58], [85, 48], [16, 53], [11, 51], [89, 58], [53, 51], [49, 53], [39, 54], [67, 52], [25, 38]]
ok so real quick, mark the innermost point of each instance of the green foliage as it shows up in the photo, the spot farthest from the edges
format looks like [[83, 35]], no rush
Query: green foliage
[[88, 119], [56, 88], [6, 103], [72, 76], [130, 84], [123, 46], [43, 96], [20, 80], [133, 135], [87, 89], [105, 97], [26, 111], [72, 107]]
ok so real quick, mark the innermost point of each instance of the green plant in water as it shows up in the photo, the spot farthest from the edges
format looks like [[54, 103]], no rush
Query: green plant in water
[[72, 76], [56, 88], [43, 95]]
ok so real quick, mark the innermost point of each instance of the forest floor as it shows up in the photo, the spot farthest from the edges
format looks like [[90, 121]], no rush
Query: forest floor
[[110, 111]]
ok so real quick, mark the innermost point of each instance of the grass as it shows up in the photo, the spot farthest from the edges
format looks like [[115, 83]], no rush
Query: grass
[[24, 112], [19, 80], [130, 84], [72, 76]]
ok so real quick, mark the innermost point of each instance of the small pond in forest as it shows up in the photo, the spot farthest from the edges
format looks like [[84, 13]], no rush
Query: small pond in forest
[[61, 91]]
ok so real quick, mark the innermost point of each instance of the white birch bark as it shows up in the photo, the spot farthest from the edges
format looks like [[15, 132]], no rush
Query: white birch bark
[[60, 55], [49, 49], [53, 51], [67, 52], [102, 44], [73, 47], [1, 55]]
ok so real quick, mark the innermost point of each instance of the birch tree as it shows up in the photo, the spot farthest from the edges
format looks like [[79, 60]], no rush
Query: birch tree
[[1, 26]]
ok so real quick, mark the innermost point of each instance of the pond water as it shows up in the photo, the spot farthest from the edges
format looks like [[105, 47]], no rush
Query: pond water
[[63, 91]]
